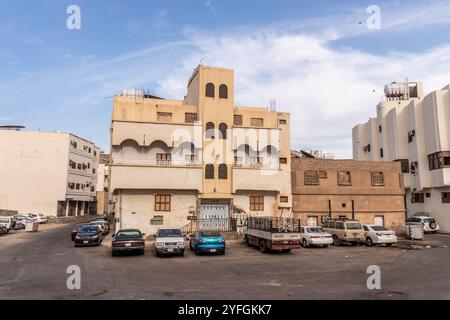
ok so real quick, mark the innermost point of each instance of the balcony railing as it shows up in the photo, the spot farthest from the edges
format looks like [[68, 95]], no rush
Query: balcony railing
[[161, 163]]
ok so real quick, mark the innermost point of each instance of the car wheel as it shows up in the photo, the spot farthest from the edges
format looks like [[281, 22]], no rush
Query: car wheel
[[354, 244], [388, 244], [369, 242], [262, 246], [98, 242], [304, 243], [286, 250], [336, 241], [432, 225], [327, 245]]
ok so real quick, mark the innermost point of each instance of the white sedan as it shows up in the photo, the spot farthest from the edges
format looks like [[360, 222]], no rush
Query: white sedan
[[101, 224], [315, 236], [379, 235], [38, 217]]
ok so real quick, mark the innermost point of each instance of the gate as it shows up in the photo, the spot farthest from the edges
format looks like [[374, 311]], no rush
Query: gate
[[214, 216]]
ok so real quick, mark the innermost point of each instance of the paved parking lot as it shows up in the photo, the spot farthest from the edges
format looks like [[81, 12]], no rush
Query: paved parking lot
[[34, 266]]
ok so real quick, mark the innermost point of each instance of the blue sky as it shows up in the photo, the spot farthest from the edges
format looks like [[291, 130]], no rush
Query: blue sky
[[318, 59]]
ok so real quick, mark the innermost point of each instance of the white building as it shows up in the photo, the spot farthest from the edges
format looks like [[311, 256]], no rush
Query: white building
[[414, 129], [54, 173]]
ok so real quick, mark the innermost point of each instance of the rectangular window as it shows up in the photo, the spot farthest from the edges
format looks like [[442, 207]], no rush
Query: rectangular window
[[162, 202], [284, 199], [381, 153], [404, 164], [311, 177], [164, 116], [344, 178], [77, 186], [428, 195], [257, 122], [237, 120], [439, 160], [163, 159], [190, 117], [377, 178], [238, 161], [312, 221], [256, 203], [445, 197], [323, 174], [380, 129], [379, 221], [283, 160], [417, 197], [282, 121]]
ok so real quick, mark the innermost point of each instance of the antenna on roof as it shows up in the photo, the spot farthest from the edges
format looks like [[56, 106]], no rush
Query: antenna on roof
[[273, 105]]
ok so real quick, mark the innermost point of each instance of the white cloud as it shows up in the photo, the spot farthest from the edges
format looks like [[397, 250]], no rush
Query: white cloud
[[327, 90]]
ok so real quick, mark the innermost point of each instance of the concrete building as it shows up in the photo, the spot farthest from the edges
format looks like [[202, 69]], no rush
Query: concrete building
[[53, 173], [202, 157], [104, 196], [413, 129], [370, 191]]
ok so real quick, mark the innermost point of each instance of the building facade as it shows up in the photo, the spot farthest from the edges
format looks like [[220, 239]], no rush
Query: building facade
[[104, 196], [369, 191], [53, 173], [202, 157], [413, 129]]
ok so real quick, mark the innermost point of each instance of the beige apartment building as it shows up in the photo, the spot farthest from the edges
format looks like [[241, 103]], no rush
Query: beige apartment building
[[369, 191], [202, 157], [53, 173], [413, 129]]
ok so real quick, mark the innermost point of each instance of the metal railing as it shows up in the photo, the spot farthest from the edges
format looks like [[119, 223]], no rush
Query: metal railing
[[160, 163], [216, 224]]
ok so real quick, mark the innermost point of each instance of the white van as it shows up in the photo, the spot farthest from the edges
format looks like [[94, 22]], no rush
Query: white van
[[8, 222]]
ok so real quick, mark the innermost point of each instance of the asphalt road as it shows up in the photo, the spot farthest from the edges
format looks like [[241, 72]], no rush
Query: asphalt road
[[33, 266]]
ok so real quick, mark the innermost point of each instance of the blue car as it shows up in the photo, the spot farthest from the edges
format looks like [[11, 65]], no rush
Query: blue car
[[207, 241]]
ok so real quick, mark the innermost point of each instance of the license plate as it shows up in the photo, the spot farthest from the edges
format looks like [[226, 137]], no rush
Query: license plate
[[170, 250], [355, 234], [212, 250], [85, 241], [127, 244]]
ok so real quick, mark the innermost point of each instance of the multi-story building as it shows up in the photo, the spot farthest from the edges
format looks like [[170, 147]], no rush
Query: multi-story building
[[415, 130], [53, 173], [370, 191], [104, 196], [201, 158]]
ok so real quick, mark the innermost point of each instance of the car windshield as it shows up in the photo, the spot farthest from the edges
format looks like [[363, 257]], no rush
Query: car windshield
[[169, 233], [79, 226], [128, 234], [354, 226], [209, 233], [312, 230], [4, 220], [379, 228], [88, 229]]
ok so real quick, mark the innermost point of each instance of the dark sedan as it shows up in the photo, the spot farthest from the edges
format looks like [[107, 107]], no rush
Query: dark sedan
[[76, 228], [88, 236], [128, 241]]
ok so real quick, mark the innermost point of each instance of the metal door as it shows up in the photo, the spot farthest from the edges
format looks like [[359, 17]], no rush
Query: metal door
[[214, 216]]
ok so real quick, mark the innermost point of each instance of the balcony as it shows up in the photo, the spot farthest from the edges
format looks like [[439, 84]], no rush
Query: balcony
[[256, 163], [156, 174], [260, 178]]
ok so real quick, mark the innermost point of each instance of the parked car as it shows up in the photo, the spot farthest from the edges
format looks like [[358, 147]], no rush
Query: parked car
[[345, 231], [33, 217], [101, 224], [128, 240], [88, 235], [76, 228], [41, 218], [429, 224], [8, 222], [105, 217], [315, 236], [21, 220], [379, 235], [3, 229], [207, 241], [169, 241], [106, 221]]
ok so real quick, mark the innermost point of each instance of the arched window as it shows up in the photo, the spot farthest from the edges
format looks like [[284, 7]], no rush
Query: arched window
[[223, 171], [223, 131], [209, 130], [223, 91], [209, 171], [209, 92]]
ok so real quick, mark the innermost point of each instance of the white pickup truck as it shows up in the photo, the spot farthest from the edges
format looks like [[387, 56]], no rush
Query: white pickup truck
[[272, 233]]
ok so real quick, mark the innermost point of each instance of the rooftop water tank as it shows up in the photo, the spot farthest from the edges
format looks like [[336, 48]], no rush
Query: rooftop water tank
[[133, 92], [395, 89]]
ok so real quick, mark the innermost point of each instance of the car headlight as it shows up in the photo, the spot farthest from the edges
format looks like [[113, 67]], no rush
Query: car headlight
[[160, 244], [180, 244], [77, 237], [95, 237]]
